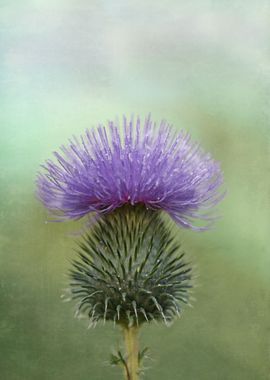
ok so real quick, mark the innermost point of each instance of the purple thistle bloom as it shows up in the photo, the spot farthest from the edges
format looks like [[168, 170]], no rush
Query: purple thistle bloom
[[136, 163]]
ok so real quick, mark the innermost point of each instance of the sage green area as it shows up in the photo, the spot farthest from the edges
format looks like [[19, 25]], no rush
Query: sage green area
[[202, 65]]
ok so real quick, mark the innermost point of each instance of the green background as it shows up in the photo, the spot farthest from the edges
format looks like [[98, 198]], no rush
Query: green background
[[202, 65]]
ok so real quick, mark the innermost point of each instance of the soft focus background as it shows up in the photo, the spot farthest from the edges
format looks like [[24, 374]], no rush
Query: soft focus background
[[203, 65]]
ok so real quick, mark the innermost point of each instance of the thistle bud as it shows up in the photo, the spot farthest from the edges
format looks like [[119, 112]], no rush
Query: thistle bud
[[130, 269]]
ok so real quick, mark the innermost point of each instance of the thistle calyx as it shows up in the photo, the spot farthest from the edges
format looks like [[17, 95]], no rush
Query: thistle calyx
[[130, 269]]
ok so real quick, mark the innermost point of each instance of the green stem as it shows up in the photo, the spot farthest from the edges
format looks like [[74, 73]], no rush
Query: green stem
[[132, 351]]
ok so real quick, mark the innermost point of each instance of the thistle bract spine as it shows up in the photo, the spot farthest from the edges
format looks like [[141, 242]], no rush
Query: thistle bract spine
[[130, 269]]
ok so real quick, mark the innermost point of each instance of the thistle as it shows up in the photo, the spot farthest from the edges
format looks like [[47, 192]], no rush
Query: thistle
[[130, 268]]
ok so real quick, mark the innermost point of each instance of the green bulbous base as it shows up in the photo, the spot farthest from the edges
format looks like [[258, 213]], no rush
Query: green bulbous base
[[130, 269]]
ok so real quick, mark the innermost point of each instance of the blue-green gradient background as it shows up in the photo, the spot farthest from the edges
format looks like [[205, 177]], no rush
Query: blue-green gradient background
[[202, 65]]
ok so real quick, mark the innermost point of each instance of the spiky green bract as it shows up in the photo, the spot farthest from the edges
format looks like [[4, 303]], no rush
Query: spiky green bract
[[130, 269]]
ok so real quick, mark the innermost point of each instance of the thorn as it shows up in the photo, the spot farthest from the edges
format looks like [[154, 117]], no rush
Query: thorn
[[144, 314], [164, 318], [105, 311], [135, 311], [65, 299], [118, 311], [76, 314], [90, 325]]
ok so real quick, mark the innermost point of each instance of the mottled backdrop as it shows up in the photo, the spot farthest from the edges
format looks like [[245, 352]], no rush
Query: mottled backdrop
[[204, 66]]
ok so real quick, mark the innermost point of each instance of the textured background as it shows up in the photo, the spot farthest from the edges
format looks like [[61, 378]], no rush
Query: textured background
[[204, 66]]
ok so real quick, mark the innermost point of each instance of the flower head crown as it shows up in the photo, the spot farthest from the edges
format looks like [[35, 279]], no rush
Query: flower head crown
[[138, 162]]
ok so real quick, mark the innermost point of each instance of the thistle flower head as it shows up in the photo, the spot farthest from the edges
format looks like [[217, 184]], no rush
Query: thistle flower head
[[135, 163], [130, 270]]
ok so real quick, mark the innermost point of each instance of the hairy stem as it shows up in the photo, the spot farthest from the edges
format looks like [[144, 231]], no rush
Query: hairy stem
[[132, 351]]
